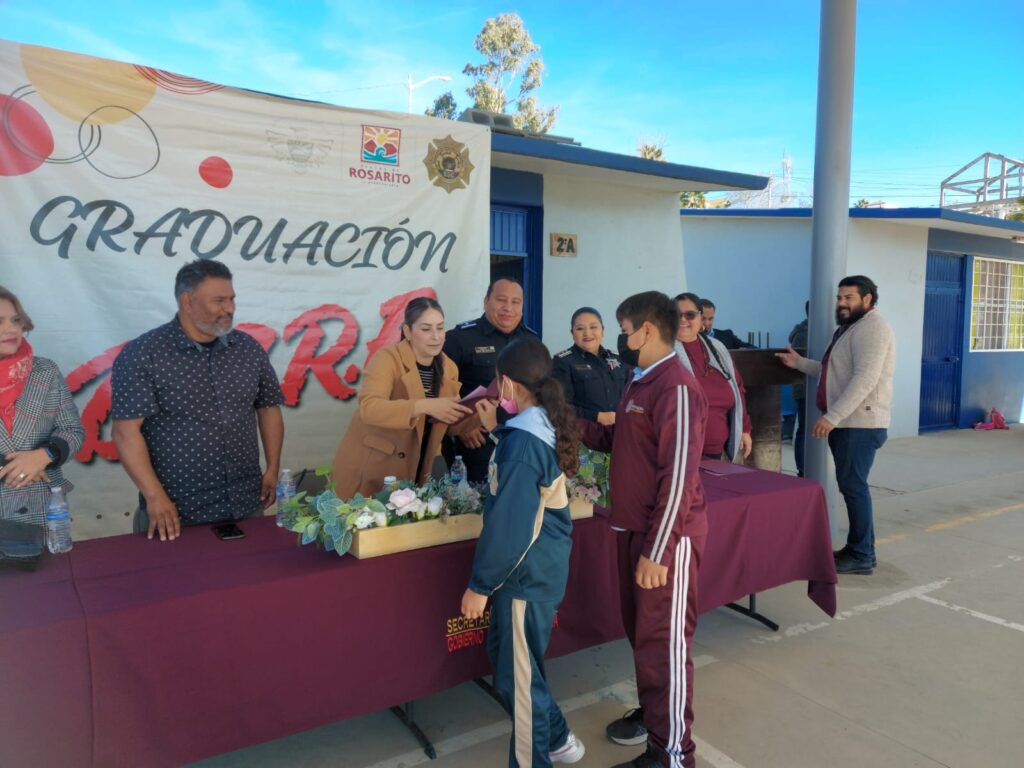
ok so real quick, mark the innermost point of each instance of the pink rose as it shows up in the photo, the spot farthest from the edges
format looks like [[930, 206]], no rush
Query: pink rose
[[401, 499]]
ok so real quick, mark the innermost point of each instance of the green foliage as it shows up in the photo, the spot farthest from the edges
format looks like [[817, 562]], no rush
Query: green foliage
[[591, 481], [1018, 215], [444, 107], [510, 56], [692, 200], [330, 522], [651, 151]]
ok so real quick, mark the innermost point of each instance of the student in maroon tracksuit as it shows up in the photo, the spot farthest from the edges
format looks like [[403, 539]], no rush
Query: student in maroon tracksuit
[[659, 510]]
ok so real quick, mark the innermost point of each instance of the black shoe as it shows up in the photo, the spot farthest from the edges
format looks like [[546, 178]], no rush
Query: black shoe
[[628, 730], [851, 564], [648, 759], [845, 552]]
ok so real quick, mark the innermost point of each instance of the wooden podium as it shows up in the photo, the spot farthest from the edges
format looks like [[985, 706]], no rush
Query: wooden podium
[[763, 373]]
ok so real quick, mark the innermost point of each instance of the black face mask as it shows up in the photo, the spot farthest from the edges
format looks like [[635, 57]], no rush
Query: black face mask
[[629, 356]]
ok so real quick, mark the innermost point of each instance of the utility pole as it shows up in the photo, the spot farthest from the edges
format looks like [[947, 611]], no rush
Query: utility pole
[[831, 214]]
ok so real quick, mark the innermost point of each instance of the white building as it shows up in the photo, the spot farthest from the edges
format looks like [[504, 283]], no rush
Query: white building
[[951, 284], [622, 209]]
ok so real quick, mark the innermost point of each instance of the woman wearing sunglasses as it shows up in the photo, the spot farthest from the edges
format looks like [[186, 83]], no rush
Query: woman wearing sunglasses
[[728, 429]]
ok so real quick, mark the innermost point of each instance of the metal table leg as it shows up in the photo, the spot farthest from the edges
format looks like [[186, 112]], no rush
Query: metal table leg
[[405, 714], [750, 609], [490, 689]]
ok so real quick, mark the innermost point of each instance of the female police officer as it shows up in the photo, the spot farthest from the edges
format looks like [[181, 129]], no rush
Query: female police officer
[[592, 376]]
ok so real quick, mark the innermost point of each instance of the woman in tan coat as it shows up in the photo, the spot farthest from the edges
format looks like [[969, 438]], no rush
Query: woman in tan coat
[[409, 398]]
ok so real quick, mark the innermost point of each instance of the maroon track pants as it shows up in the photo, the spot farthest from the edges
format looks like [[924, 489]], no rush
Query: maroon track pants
[[660, 624]]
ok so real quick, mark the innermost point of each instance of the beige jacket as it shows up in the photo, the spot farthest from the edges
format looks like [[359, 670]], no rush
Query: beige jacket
[[383, 437], [860, 369]]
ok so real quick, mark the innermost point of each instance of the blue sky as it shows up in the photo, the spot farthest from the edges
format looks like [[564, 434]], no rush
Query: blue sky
[[728, 85]]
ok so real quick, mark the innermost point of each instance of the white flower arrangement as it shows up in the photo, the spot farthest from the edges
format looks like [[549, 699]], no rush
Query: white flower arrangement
[[330, 521]]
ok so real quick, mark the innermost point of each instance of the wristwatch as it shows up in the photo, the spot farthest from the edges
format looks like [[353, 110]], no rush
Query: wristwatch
[[51, 453]]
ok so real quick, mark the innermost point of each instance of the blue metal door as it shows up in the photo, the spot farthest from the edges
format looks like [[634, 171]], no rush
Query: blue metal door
[[942, 343], [516, 254]]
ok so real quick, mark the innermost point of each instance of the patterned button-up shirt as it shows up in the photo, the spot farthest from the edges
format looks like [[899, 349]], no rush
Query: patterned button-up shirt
[[198, 404]]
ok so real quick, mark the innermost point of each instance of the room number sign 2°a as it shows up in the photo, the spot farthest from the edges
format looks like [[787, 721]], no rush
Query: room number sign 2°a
[[563, 244]]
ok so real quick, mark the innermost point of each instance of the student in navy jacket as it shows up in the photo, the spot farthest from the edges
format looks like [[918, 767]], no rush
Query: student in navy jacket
[[522, 556], [658, 508]]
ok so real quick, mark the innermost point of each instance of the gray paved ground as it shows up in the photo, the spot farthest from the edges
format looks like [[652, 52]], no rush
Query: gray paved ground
[[923, 666]]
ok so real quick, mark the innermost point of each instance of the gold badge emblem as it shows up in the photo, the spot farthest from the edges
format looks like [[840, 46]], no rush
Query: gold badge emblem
[[448, 164]]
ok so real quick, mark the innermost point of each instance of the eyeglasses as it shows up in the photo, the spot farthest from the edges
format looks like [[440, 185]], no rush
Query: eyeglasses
[[690, 314]]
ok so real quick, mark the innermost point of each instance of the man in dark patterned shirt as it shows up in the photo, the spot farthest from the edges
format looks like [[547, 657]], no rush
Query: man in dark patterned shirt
[[187, 399]]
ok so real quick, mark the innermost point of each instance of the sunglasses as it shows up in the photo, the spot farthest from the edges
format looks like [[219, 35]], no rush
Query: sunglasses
[[690, 314]]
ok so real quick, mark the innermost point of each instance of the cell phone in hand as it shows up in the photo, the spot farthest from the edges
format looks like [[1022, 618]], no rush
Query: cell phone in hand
[[228, 531]]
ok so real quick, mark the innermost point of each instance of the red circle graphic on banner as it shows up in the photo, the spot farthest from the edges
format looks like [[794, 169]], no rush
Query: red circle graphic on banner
[[216, 171], [25, 138]]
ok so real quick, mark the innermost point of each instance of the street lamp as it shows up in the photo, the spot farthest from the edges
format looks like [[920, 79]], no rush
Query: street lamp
[[412, 86]]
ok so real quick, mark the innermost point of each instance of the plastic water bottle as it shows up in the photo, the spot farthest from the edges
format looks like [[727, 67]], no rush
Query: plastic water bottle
[[390, 481], [58, 523], [285, 491], [458, 474]]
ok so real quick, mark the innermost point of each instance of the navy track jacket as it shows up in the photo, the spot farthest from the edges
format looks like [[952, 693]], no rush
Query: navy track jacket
[[527, 537]]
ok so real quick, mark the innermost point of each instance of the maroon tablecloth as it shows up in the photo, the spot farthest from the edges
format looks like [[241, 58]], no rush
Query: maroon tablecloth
[[144, 653]]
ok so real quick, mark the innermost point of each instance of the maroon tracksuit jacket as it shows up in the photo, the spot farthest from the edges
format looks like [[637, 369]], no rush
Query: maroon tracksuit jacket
[[658, 502]]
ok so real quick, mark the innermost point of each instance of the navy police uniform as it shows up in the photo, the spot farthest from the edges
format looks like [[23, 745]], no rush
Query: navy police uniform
[[522, 562], [474, 346], [593, 384]]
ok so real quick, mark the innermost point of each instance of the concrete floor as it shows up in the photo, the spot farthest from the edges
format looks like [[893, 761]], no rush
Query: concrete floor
[[923, 666]]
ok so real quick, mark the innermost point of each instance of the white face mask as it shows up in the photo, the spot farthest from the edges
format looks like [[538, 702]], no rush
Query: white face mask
[[508, 404]]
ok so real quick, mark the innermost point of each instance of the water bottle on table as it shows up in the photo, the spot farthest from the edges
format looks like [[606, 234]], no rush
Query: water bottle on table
[[458, 474], [285, 492], [58, 522]]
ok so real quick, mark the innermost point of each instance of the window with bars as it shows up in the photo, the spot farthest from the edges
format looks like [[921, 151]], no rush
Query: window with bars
[[997, 306]]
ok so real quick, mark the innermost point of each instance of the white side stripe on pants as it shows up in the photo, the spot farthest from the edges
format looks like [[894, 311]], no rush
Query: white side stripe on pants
[[677, 654]]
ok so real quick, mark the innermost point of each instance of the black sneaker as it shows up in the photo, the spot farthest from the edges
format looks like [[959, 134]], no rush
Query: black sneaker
[[846, 554], [648, 759], [850, 564], [628, 730]]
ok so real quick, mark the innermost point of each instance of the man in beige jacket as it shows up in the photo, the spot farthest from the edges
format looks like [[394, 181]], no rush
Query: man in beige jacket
[[854, 396]]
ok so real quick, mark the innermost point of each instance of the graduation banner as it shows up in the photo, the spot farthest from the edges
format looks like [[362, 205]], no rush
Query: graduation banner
[[115, 175]]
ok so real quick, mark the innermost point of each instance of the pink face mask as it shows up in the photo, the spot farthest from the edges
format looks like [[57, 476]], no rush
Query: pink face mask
[[507, 403]]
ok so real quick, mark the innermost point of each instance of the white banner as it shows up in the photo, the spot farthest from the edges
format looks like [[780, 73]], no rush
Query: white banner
[[114, 175]]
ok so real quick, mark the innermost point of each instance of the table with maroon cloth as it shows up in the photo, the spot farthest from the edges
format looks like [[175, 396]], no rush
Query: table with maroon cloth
[[142, 653]]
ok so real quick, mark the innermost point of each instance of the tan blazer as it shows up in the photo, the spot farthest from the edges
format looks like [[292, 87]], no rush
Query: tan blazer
[[858, 386], [384, 437]]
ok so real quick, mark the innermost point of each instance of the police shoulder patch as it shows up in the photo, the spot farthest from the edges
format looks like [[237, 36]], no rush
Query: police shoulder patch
[[467, 324], [564, 353]]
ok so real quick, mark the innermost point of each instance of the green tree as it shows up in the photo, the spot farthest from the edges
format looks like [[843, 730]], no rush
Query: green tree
[[650, 151], [862, 203], [444, 107], [1019, 214], [692, 200], [510, 57]]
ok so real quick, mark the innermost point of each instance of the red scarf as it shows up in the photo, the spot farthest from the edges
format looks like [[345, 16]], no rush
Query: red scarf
[[14, 372]]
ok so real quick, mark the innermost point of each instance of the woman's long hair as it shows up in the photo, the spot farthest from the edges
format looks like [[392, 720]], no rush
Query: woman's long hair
[[527, 362], [414, 311]]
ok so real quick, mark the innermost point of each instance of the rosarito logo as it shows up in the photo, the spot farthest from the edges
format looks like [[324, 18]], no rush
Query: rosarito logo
[[381, 145]]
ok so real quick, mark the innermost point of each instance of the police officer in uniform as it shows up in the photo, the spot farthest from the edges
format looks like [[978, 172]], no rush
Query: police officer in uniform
[[592, 376], [474, 347]]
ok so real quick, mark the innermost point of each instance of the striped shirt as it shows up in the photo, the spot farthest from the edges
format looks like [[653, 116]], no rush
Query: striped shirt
[[427, 379]]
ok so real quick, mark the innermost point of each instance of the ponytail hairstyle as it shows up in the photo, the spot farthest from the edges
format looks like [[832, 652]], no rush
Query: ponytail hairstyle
[[528, 363], [414, 311]]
